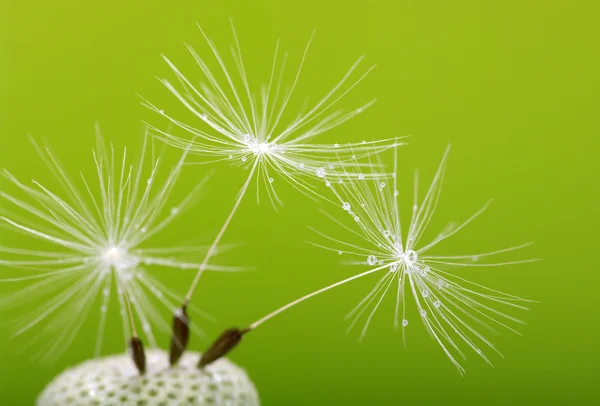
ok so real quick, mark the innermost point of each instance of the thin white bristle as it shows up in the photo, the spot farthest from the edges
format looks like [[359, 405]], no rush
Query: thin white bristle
[[448, 305], [96, 241]]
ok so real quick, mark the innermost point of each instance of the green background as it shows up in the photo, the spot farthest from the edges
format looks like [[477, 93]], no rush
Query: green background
[[513, 85]]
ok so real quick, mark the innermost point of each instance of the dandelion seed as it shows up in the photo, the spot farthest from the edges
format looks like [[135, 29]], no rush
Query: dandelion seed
[[423, 275], [236, 119], [95, 244], [465, 303]]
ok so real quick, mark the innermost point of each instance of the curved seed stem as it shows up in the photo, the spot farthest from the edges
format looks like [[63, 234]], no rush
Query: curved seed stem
[[213, 247]]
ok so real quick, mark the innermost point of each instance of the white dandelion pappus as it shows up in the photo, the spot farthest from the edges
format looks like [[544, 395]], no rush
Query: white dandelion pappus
[[447, 303], [249, 130], [94, 246]]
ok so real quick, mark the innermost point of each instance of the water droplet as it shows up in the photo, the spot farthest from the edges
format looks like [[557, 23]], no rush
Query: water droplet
[[271, 180], [353, 156], [423, 313], [404, 323], [161, 111], [371, 260], [106, 292], [357, 218], [301, 166], [364, 142], [425, 293], [104, 309], [396, 193], [393, 267], [321, 172], [230, 156], [174, 211], [382, 185], [336, 145], [411, 256], [149, 181], [328, 183], [346, 206], [437, 304], [340, 252], [244, 159], [361, 176], [143, 230], [386, 233]]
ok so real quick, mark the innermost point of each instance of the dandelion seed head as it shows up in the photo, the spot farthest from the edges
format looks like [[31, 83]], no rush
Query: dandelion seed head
[[96, 243], [256, 124], [402, 255], [114, 380]]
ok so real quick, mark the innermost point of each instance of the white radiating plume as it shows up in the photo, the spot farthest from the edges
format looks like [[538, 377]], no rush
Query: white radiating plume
[[95, 235], [453, 310], [250, 126]]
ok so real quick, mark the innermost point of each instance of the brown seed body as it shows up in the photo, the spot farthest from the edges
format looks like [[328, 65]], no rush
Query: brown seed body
[[180, 336], [226, 342], [138, 355]]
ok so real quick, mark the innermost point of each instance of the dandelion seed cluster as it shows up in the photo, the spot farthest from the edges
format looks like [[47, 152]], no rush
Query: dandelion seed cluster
[[97, 235], [114, 381]]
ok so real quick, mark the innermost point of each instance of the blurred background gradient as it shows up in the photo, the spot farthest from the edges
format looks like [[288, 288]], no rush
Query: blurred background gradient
[[512, 85]]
